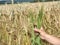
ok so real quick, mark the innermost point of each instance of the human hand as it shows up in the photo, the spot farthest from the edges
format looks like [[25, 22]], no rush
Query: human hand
[[41, 32]]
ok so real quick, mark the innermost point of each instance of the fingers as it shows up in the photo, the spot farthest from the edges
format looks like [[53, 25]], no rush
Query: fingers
[[39, 30]]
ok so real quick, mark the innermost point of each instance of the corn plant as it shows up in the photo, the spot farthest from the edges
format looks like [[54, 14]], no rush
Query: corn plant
[[35, 39]]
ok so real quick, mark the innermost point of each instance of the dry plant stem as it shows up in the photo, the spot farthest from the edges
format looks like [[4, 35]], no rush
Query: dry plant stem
[[9, 40]]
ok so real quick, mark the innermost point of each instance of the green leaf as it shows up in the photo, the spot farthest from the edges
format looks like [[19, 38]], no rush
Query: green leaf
[[39, 19], [36, 39]]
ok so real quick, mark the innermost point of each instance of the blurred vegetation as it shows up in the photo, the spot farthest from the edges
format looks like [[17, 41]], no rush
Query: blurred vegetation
[[15, 25]]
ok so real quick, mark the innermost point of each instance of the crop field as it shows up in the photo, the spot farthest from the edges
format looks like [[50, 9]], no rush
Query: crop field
[[17, 20]]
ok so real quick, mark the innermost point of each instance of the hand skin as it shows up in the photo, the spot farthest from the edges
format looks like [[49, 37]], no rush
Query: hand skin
[[51, 39]]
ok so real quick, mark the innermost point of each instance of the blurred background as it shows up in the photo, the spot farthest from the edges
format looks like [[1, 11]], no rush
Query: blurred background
[[20, 1]]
